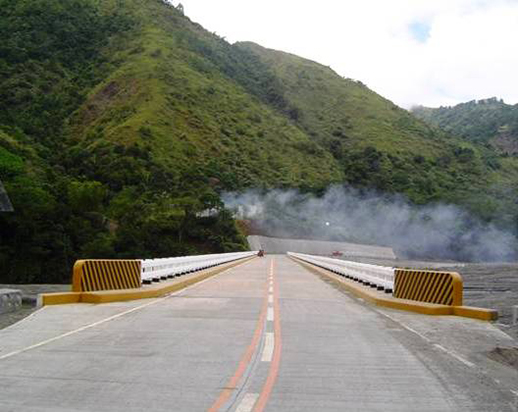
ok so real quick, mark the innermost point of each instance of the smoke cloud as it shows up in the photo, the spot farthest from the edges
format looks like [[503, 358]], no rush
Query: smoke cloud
[[437, 231]]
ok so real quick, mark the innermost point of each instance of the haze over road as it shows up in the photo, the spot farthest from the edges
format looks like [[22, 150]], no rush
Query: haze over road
[[266, 334], [318, 247]]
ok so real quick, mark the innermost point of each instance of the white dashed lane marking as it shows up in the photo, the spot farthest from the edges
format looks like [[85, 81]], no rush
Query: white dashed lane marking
[[269, 316], [269, 344], [247, 403]]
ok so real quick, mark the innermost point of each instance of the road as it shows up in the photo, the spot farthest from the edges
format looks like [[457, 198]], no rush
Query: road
[[275, 245], [266, 335]]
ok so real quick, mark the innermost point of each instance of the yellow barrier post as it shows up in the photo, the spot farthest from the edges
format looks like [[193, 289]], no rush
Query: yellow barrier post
[[94, 275], [444, 288]]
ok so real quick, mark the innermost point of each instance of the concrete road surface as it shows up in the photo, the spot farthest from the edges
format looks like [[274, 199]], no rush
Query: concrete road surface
[[266, 335]]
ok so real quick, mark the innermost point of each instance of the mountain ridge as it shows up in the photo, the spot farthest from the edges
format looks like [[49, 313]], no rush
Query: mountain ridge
[[483, 121]]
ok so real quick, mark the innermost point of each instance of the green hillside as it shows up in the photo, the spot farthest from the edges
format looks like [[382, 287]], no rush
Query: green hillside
[[483, 121], [122, 121], [380, 145], [491, 126]]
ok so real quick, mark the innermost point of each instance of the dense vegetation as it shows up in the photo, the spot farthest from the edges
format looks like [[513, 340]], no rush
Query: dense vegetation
[[483, 121], [72, 200], [379, 145], [121, 122]]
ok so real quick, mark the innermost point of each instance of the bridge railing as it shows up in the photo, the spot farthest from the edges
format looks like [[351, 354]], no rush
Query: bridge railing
[[380, 277], [104, 274], [154, 270]]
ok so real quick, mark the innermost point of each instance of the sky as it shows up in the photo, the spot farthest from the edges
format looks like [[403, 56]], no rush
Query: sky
[[413, 52]]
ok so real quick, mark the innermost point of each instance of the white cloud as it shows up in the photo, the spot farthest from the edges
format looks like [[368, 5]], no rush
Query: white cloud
[[470, 52]]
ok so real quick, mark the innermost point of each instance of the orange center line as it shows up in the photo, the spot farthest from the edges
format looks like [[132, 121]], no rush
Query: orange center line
[[245, 359], [276, 360]]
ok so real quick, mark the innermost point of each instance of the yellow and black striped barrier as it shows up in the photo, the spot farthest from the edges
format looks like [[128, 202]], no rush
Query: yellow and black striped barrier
[[104, 281], [95, 275], [420, 291], [443, 288]]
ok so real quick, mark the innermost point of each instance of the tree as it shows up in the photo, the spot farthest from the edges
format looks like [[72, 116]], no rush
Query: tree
[[86, 196]]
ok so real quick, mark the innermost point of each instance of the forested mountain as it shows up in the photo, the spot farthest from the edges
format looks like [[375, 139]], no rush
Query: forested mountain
[[483, 121], [122, 121], [376, 143]]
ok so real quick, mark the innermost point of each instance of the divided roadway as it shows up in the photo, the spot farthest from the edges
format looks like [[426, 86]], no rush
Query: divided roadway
[[265, 335]]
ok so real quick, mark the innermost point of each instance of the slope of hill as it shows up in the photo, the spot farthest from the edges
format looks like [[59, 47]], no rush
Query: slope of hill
[[122, 121], [170, 99], [380, 145], [484, 121]]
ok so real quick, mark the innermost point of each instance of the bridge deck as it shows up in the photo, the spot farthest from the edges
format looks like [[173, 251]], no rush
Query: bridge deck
[[234, 341]]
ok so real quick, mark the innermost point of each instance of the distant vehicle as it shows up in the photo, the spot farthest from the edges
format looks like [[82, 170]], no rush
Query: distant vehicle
[[337, 253], [260, 253]]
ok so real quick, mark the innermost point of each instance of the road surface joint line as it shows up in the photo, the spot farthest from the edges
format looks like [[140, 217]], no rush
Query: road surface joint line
[[442, 348], [460, 359], [436, 345], [403, 325], [248, 402], [108, 319], [269, 345]]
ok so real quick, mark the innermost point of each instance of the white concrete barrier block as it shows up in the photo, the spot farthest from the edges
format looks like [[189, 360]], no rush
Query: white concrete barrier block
[[10, 300]]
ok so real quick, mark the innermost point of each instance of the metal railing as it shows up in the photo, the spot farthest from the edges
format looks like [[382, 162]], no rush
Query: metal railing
[[381, 277], [154, 270]]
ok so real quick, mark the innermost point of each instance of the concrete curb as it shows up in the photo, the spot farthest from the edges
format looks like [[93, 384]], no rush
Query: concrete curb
[[144, 292], [381, 299]]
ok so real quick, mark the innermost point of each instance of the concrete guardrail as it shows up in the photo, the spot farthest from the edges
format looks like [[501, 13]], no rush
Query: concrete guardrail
[[102, 281], [154, 270], [380, 277], [427, 292], [98, 274]]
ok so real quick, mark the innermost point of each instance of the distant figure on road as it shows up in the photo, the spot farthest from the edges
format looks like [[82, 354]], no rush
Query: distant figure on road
[[260, 253]]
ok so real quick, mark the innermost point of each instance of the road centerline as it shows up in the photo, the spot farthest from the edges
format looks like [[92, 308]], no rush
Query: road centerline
[[233, 385], [276, 357]]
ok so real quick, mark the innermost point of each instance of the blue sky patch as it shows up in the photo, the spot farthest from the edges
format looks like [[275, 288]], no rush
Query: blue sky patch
[[420, 31]]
